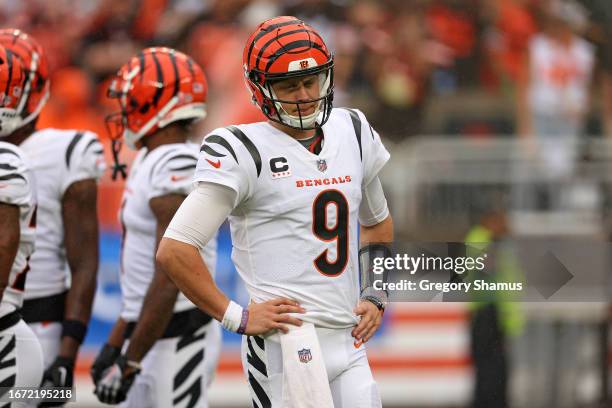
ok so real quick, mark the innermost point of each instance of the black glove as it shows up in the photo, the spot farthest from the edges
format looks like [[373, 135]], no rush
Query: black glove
[[116, 383], [104, 360], [59, 374]]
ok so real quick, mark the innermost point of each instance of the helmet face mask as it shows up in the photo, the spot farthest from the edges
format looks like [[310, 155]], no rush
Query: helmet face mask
[[286, 48]]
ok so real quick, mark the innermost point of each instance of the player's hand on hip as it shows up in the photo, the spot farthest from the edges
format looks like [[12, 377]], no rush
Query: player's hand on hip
[[371, 318], [273, 315]]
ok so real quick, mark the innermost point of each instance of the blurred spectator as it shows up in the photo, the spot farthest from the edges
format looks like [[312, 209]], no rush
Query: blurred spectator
[[508, 38], [601, 13], [397, 56], [453, 23], [558, 70], [58, 25], [115, 33], [553, 95]]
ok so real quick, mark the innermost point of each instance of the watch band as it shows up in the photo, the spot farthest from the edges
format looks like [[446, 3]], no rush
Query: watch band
[[376, 301]]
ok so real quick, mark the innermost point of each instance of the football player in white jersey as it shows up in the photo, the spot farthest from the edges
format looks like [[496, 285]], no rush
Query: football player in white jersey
[[170, 344], [67, 164], [295, 188], [21, 359]]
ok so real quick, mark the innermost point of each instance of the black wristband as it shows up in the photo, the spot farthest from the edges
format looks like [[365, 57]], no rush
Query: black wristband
[[75, 329], [368, 256], [379, 303]]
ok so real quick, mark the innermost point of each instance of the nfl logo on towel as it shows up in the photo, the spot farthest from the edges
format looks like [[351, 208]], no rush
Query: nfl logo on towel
[[322, 165], [304, 355]]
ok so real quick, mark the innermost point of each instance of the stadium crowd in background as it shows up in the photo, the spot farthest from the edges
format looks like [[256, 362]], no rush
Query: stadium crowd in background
[[455, 67], [394, 58]]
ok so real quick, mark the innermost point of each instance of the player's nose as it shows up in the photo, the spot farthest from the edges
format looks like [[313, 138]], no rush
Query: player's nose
[[301, 93]]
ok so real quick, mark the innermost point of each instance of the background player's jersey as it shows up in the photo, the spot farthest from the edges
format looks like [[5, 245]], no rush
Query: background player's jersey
[[295, 222], [58, 159], [167, 169], [17, 188]]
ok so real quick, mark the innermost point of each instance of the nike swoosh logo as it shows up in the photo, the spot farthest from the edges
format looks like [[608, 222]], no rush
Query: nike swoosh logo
[[216, 164], [177, 178]]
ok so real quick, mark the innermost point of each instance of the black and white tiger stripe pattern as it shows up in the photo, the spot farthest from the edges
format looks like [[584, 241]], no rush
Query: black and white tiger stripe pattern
[[257, 372], [8, 362], [188, 381]]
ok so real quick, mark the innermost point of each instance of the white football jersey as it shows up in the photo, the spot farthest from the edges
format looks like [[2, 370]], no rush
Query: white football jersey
[[17, 187], [58, 159], [168, 169], [295, 222]]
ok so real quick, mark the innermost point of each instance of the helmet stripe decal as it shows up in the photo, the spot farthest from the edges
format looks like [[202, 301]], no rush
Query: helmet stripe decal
[[221, 141], [141, 60], [249, 146], [292, 46], [160, 80], [274, 39], [190, 66], [267, 30], [176, 73], [22, 44]]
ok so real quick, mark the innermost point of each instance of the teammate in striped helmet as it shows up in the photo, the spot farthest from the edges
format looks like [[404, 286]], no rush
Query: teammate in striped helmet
[[302, 194], [21, 359], [157, 87], [173, 346], [36, 88], [67, 165]]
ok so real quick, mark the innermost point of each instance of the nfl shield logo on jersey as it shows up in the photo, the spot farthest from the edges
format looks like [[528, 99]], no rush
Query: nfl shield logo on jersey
[[304, 355], [321, 165]]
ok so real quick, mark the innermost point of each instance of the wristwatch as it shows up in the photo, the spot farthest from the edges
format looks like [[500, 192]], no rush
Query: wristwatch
[[376, 301]]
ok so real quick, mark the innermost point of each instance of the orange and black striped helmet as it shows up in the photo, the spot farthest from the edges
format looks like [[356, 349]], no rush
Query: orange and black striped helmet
[[12, 80], [34, 60], [155, 88], [283, 48]]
